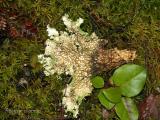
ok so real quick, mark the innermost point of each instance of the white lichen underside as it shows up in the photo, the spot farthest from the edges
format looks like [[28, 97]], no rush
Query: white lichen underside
[[71, 53]]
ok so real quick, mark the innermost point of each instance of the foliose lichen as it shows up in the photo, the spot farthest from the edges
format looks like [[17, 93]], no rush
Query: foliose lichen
[[78, 54], [71, 53]]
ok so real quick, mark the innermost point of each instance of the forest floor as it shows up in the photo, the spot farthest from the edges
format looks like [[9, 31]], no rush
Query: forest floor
[[126, 24]]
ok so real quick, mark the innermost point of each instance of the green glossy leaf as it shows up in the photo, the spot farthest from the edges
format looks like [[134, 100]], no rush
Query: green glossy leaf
[[103, 100], [113, 94], [97, 82], [131, 79], [127, 110]]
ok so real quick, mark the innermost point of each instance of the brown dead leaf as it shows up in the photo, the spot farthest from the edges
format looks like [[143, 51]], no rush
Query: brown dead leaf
[[150, 108]]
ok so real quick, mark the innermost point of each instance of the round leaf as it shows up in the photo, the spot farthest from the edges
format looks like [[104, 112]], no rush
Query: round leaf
[[131, 79], [97, 82], [103, 100], [113, 94], [127, 110]]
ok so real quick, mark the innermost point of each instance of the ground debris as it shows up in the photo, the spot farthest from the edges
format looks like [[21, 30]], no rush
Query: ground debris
[[150, 108], [112, 58]]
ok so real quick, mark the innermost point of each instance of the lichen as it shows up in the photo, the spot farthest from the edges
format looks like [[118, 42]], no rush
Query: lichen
[[71, 53], [109, 59], [75, 53]]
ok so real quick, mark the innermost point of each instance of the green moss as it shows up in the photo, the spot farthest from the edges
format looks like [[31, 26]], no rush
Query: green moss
[[124, 23]]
